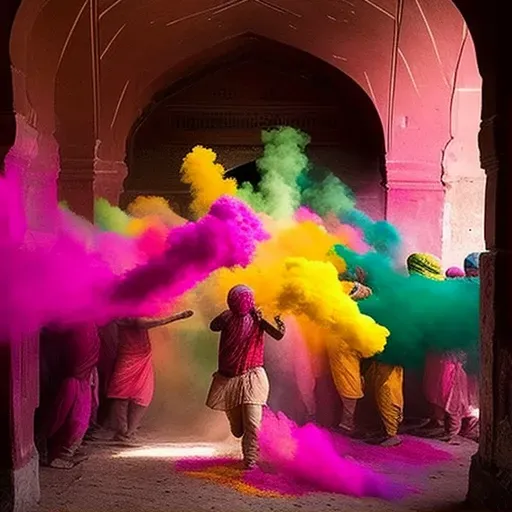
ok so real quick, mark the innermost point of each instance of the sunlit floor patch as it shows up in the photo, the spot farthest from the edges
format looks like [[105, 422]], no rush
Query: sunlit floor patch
[[170, 451]]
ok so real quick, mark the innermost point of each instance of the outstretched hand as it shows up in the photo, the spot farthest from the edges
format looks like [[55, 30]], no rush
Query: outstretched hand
[[278, 321]]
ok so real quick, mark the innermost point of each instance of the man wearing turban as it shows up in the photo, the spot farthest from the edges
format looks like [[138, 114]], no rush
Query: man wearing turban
[[240, 386]]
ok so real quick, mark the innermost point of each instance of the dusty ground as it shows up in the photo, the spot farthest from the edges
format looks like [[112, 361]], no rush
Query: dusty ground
[[108, 483]]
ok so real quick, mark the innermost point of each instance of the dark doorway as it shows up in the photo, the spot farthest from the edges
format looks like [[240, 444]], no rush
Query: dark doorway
[[226, 105]]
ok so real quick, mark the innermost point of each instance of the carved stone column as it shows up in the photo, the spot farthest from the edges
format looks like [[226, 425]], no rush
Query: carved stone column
[[108, 180], [76, 185], [490, 482], [7, 133], [414, 204], [40, 184], [19, 376]]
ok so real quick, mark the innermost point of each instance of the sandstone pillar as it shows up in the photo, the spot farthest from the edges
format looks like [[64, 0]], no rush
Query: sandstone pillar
[[414, 204], [76, 185], [108, 180], [490, 482], [19, 386]]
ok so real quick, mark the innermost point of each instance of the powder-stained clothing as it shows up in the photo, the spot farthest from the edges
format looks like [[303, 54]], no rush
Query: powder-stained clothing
[[345, 364], [245, 422], [133, 376], [250, 388], [109, 336], [69, 416], [346, 371], [240, 386], [132, 382], [236, 357], [452, 392], [386, 383], [439, 375], [445, 383]]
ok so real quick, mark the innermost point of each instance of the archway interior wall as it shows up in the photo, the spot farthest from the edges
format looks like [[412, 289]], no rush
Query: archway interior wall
[[226, 107], [463, 229], [168, 159], [369, 192]]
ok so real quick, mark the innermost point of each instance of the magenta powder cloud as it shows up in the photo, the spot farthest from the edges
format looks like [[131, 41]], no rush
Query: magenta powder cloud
[[74, 273], [307, 454], [226, 237]]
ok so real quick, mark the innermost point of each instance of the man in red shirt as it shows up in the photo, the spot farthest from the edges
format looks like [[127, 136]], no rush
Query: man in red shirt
[[240, 387]]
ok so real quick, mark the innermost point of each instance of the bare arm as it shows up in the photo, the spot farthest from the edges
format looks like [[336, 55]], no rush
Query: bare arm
[[278, 333], [150, 323], [218, 323]]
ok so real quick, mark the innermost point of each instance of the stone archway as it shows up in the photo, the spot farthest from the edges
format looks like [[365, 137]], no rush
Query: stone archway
[[260, 85], [494, 153]]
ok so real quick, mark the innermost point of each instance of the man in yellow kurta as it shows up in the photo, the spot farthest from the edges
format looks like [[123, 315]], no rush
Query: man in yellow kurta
[[386, 383], [345, 367]]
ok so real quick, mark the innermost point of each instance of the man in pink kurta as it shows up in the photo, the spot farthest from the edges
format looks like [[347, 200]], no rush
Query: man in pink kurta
[[447, 386], [67, 417], [132, 382]]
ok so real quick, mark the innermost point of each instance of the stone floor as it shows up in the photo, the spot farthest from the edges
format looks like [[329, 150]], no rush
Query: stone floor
[[109, 483]]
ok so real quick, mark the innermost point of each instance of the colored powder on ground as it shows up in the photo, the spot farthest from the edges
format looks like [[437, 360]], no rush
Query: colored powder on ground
[[412, 452], [307, 454], [229, 473], [327, 463]]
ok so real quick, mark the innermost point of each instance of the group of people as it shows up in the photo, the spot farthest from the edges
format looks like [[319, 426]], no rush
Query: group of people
[[96, 384], [89, 374], [451, 393], [93, 376]]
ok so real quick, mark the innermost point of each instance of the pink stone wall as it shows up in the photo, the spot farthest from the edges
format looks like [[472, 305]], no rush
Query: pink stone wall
[[416, 209], [463, 229]]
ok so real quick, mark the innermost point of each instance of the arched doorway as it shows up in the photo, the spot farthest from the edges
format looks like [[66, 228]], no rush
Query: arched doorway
[[226, 105]]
